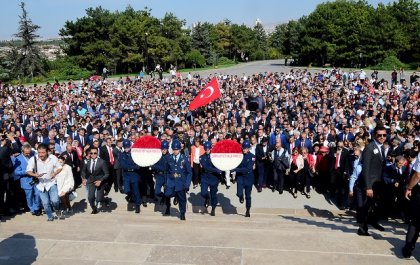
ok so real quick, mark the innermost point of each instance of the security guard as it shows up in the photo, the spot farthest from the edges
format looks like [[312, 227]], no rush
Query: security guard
[[245, 176], [161, 168], [131, 175], [178, 179], [210, 178], [412, 193]]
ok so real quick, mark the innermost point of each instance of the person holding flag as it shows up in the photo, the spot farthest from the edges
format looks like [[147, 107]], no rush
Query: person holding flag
[[210, 93]]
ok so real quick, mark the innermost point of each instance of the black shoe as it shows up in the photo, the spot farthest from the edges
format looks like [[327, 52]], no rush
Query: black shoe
[[137, 209], [280, 192], [182, 217], [259, 189], [273, 189], [295, 195], [206, 203], [227, 187], [247, 214], [377, 226], [167, 211], [94, 211], [213, 211], [363, 232], [406, 252], [175, 201], [144, 204], [241, 200]]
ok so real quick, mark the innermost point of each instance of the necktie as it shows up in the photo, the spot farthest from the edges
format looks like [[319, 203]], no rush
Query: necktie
[[82, 141], [111, 156], [383, 152], [337, 161], [93, 166]]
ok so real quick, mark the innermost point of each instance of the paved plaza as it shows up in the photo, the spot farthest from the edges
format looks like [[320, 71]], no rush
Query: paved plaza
[[281, 230]]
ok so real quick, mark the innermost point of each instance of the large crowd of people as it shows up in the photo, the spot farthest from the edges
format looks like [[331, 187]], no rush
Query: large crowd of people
[[307, 131]]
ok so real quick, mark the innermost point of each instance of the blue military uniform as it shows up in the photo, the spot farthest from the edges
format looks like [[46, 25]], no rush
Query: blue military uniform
[[178, 179], [245, 177], [131, 175], [210, 177], [161, 169]]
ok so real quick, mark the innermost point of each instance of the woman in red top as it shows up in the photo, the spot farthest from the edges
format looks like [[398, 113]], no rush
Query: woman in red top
[[307, 172]]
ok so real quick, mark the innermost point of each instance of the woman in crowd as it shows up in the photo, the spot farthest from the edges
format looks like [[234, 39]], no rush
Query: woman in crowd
[[65, 185], [296, 166]]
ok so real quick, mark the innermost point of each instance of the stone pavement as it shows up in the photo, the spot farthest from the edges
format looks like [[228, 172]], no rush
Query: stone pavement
[[281, 230]]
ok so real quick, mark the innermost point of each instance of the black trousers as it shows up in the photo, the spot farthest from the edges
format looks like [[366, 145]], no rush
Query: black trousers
[[117, 179], [95, 194], [369, 210], [196, 174], [414, 226], [147, 184], [110, 180], [278, 179]]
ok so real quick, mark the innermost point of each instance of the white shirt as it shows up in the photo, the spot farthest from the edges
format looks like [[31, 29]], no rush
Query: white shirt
[[49, 166], [65, 180], [197, 156]]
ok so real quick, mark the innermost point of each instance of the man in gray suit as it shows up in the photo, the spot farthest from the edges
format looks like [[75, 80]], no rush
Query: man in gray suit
[[94, 176], [370, 184]]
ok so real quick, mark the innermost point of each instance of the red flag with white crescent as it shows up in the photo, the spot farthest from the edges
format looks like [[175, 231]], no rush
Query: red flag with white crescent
[[210, 93]]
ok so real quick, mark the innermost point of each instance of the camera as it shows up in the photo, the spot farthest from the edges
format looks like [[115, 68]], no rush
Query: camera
[[34, 181]]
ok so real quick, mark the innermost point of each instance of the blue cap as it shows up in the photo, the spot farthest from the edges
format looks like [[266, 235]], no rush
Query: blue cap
[[176, 145], [126, 144], [246, 144], [164, 145], [207, 145]]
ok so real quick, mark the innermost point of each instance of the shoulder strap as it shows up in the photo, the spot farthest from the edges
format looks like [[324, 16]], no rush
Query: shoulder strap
[[36, 165]]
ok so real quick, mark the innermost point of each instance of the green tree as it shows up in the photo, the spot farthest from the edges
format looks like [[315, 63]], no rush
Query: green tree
[[243, 41], [27, 59], [201, 40], [195, 59]]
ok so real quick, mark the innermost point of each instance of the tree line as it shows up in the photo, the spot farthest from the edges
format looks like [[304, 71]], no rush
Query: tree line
[[343, 33]]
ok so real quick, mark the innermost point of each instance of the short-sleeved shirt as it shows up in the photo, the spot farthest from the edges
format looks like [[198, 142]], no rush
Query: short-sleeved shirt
[[49, 166]]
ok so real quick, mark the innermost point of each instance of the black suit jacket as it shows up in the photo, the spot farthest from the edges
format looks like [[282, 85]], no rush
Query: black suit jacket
[[104, 154], [72, 159], [373, 165], [101, 171], [344, 161], [260, 154]]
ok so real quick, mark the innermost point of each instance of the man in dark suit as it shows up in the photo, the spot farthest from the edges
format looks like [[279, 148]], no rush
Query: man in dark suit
[[94, 176], [109, 155], [261, 154], [303, 141], [74, 162], [346, 135], [370, 184], [339, 168], [82, 138]]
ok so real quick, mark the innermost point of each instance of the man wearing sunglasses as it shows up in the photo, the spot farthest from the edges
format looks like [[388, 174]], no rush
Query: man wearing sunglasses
[[370, 185], [94, 176]]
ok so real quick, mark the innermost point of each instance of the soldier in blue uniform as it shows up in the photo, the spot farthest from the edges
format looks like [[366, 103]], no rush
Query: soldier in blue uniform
[[210, 178], [131, 175], [178, 179], [245, 177], [161, 168]]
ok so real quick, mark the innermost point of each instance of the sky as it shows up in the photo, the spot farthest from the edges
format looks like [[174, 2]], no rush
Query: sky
[[51, 15]]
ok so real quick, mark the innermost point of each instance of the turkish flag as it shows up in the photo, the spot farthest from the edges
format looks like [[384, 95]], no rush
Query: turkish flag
[[208, 94]]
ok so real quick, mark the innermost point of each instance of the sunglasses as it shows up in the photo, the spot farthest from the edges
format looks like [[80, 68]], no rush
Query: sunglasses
[[381, 135], [93, 153]]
